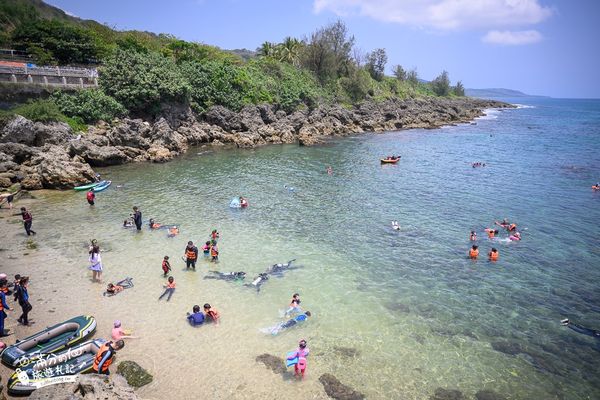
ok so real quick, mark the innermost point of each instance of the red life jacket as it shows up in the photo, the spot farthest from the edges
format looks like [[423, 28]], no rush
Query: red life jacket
[[91, 196]]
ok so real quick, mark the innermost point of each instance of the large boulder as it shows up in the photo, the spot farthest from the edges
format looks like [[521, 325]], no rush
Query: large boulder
[[57, 170], [18, 130], [135, 375], [224, 118], [97, 156], [130, 133], [337, 390], [88, 387]]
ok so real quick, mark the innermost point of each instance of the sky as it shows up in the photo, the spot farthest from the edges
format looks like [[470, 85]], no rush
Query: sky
[[544, 47]]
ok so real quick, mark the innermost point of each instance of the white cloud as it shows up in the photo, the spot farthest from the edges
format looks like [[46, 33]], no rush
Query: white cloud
[[443, 14], [512, 38]]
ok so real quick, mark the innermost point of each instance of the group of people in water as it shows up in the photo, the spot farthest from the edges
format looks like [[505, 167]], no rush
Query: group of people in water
[[493, 254], [478, 164]]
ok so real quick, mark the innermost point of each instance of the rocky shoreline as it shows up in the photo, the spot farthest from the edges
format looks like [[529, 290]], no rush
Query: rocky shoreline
[[49, 155]]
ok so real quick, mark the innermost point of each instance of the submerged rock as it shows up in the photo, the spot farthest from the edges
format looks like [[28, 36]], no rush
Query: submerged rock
[[135, 375], [447, 394], [275, 364], [505, 347], [88, 387], [488, 395], [337, 390], [396, 306], [346, 351]]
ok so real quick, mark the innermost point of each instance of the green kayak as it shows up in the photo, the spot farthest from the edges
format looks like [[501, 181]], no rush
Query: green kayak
[[89, 185]]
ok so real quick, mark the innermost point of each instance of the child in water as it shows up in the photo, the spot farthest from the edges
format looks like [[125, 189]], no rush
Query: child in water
[[114, 288], [491, 232], [300, 353], [169, 289], [166, 266], [173, 231], [288, 324], [474, 252], [214, 235], [473, 236], [118, 333], [294, 306], [197, 317], [206, 249], [214, 252], [493, 254], [211, 314]]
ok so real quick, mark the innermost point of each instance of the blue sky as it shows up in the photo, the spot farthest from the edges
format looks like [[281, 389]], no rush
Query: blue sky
[[547, 47]]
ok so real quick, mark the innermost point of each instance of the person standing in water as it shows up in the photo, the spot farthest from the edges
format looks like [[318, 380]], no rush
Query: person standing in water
[[169, 289], [95, 263], [300, 354], [91, 196], [191, 255], [137, 218], [27, 221], [22, 296]]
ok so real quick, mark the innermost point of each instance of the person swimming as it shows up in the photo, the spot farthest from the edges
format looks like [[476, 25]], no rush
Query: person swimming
[[294, 306], [581, 329], [173, 231], [169, 289], [515, 237], [258, 281], [474, 252], [288, 324], [227, 276], [473, 236], [153, 224], [491, 232], [493, 254], [280, 267], [128, 223], [395, 225], [112, 289]]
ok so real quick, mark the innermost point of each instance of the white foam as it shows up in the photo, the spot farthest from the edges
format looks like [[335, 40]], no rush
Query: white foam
[[524, 106], [489, 113]]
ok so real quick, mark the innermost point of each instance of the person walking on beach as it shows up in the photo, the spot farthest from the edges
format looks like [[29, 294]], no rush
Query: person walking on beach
[[137, 218], [105, 355], [27, 221], [3, 306], [91, 196], [191, 255], [95, 263], [22, 296]]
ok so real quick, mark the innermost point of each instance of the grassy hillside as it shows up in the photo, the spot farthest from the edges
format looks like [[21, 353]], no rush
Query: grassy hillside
[[139, 71]]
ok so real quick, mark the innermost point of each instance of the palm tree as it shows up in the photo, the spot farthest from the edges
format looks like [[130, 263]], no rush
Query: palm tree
[[267, 49], [289, 50]]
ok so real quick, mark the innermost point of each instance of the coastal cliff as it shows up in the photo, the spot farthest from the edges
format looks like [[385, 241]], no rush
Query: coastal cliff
[[49, 155]]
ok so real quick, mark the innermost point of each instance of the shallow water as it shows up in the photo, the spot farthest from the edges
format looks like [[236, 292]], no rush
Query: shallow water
[[418, 312]]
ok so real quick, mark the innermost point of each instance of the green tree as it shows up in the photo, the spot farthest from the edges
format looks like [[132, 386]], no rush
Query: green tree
[[267, 49], [413, 77], [141, 82], [289, 50], [89, 105], [459, 89], [61, 42], [327, 52], [441, 84], [400, 73], [376, 61]]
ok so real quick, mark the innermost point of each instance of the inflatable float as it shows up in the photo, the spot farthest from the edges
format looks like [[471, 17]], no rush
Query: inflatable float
[[74, 360], [50, 340], [102, 187], [389, 160], [89, 186]]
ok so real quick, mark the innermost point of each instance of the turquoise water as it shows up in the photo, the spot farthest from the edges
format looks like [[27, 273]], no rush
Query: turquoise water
[[420, 314]]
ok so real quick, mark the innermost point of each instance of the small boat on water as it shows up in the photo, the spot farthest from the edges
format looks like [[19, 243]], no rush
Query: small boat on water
[[390, 160], [102, 187], [74, 360], [50, 340], [89, 186]]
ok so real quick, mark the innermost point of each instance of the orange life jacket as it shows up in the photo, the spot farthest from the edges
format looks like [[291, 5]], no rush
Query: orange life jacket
[[512, 227], [99, 355], [214, 252], [473, 253], [214, 314], [190, 254], [494, 255]]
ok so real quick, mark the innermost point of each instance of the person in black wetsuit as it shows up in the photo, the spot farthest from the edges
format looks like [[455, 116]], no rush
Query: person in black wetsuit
[[137, 218], [581, 329]]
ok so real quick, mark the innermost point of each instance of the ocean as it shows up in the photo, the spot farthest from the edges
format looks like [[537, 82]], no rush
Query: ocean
[[396, 314]]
